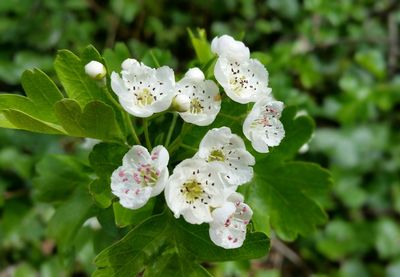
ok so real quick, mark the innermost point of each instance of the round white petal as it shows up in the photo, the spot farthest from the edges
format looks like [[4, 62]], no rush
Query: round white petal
[[193, 189], [195, 74], [262, 126], [227, 152], [160, 185], [245, 81], [142, 90], [136, 155], [205, 101], [228, 228], [141, 176], [160, 157], [221, 214], [228, 47], [180, 103]]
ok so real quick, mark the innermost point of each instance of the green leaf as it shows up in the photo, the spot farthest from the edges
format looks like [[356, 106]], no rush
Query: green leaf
[[201, 46], [24, 121], [125, 217], [286, 194], [106, 157], [139, 247], [115, 57], [75, 81], [19, 112], [42, 91], [195, 239], [57, 177], [97, 120], [70, 216], [155, 240], [101, 192], [173, 264]]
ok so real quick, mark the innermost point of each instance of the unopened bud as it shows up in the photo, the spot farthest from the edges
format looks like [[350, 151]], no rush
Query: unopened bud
[[95, 70], [180, 103]]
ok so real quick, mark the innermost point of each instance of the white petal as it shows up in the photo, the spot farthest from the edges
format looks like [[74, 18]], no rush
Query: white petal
[[137, 155], [129, 64], [245, 81], [142, 90], [160, 185], [136, 199], [199, 215], [195, 74], [228, 228], [117, 84], [160, 157], [227, 152], [205, 101], [220, 215], [193, 189], [131, 195], [236, 198], [262, 126], [228, 47]]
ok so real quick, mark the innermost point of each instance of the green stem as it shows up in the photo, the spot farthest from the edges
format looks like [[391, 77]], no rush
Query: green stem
[[132, 129], [171, 129], [146, 134], [154, 58], [176, 143], [230, 116], [188, 147]]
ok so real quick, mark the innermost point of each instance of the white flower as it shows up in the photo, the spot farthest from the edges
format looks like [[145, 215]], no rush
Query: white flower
[[228, 228], [227, 47], [142, 90], [141, 176], [95, 70], [205, 101], [262, 126], [243, 79], [228, 153], [194, 189]]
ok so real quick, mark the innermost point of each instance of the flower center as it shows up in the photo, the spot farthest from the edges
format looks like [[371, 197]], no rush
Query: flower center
[[195, 106], [238, 83], [146, 175], [192, 190], [144, 97], [216, 155]]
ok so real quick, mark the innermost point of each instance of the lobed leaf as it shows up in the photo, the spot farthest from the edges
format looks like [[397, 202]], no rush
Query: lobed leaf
[[151, 245]]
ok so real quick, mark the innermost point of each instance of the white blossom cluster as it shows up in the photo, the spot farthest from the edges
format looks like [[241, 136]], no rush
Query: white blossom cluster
[[203, 188]]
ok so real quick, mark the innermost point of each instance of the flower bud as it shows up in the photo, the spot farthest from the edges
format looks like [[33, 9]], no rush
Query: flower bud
[[180, 103], [95, 70]]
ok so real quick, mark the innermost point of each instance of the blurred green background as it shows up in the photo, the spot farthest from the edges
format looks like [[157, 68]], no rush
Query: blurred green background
[[336, 60]]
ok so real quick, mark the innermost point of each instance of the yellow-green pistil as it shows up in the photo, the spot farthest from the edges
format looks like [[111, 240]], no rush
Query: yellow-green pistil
[[195, 106], [145, 97], [216, 155], [192, 190]]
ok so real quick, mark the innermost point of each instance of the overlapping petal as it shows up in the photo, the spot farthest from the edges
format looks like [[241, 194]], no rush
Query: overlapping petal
[[142, 90], [194, 189], [229, 224], [228, 153], [262, 125], [141, 176], [205, 101]]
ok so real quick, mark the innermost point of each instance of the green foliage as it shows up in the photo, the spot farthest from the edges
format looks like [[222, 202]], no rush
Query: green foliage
[[333, 59], [160, 238]]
